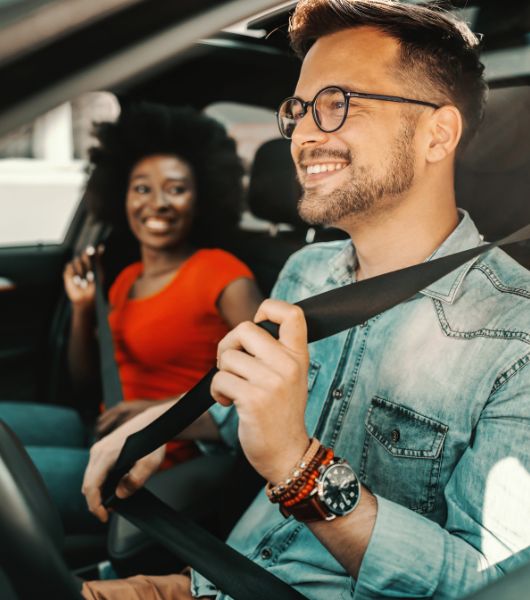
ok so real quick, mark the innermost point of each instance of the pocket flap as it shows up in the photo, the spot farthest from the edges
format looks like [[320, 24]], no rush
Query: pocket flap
[[404, 432]]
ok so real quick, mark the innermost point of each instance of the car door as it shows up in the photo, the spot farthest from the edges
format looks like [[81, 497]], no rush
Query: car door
[[40, 220]]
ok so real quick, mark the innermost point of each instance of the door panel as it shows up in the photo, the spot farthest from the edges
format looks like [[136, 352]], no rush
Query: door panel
[[30, 290]]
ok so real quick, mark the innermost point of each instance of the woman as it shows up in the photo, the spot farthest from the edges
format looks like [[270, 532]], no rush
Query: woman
[[179, 177]]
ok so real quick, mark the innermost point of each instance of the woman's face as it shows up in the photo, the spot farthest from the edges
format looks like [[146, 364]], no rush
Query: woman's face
[[161, 201]]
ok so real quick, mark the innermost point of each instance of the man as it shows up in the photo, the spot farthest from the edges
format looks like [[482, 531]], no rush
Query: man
[[429, 402]]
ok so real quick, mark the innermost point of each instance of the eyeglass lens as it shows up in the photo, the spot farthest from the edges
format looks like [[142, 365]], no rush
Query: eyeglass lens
[[329, 111]]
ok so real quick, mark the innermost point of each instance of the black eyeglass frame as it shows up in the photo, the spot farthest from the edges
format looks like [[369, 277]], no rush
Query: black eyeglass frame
[[347, 96]]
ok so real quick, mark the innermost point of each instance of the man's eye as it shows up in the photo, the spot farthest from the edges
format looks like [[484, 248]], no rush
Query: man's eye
[[141, 189]]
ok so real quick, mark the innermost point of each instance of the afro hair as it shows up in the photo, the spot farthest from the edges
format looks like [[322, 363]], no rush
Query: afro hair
[[145, 129]]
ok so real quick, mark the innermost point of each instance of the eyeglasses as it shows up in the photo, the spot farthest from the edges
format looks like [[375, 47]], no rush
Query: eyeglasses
[[329, 107]]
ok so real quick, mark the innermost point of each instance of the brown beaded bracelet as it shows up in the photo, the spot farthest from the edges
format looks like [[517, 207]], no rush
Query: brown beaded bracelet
[[310, 484], [274, 491], [301, 481]]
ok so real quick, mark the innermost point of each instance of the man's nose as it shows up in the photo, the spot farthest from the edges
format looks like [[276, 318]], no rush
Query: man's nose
[[307, 132]]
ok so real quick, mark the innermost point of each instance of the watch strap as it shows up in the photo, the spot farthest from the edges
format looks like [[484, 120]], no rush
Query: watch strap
[[308, 510]]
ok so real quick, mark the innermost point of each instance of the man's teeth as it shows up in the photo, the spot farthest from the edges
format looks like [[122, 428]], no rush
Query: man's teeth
[[324, 167], [156, 224]]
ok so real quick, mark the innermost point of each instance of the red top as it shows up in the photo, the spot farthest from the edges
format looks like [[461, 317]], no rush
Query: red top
[[166, 342]]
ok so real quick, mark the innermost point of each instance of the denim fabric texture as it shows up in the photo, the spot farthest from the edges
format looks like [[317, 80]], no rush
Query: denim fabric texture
[[430, 404]]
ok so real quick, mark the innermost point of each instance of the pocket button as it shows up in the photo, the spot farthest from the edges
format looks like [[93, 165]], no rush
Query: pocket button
[[395, 435], [337, 393], [266, 553]]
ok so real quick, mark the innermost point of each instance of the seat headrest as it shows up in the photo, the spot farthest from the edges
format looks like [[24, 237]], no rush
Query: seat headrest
[[273, 189], [493, 173]]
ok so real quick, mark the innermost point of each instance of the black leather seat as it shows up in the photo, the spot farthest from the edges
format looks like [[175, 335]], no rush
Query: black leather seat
[[493, 174]]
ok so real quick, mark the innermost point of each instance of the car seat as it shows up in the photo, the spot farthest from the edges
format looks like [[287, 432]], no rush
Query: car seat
[[493, 173]]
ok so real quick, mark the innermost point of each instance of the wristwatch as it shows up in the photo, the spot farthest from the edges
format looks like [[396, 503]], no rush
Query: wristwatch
[[336, 493]]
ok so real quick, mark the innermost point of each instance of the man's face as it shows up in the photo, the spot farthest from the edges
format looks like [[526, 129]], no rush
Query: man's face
[[368, 163]]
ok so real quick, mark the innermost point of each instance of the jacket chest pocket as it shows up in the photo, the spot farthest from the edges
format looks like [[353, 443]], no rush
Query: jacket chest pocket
[[402, 455]]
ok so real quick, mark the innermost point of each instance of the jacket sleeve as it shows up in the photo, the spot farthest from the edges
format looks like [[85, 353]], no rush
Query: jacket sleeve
[[487, 531]]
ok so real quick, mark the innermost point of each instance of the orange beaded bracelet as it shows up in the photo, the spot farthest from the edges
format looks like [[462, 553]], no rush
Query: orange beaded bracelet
[[309, 486]]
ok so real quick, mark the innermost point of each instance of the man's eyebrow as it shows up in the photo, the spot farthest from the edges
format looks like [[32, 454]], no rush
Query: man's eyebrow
[[347, 87]]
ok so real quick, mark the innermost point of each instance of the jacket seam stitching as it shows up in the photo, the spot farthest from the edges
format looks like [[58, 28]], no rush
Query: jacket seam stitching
[[484, 332]]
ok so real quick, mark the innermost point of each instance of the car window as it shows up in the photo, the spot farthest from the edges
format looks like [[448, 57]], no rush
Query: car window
[[42, 170]]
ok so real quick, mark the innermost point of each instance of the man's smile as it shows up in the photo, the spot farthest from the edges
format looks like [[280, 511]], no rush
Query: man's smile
[[318, 171]]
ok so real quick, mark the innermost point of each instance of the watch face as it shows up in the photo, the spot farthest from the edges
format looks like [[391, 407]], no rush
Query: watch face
[[339, 488]]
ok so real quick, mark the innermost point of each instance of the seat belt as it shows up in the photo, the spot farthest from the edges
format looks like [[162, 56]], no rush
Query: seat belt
[[110, 378], [326, 314]]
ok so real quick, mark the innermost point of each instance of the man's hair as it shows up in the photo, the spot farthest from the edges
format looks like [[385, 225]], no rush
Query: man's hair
[[146, 129], [435, 46]]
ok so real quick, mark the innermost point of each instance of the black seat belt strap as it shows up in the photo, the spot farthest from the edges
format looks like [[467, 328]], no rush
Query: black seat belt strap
[[110, 379], [230, 571]]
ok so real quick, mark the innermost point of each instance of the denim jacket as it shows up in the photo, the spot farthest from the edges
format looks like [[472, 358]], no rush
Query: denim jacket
[[430, 404]]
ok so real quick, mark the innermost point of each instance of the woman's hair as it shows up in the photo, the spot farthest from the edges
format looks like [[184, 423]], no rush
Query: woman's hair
[[145, 129], [439, 53]]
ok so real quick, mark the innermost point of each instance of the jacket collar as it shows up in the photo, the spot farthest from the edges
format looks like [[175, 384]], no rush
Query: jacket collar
[[342, 266]]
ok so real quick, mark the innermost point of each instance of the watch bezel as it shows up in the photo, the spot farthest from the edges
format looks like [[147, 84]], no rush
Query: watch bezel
[[325, 470]]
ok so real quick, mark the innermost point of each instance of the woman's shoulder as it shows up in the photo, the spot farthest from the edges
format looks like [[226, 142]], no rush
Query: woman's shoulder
[[221, 259]]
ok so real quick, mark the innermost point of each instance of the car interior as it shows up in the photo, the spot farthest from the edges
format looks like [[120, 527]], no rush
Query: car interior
[[492, 183]]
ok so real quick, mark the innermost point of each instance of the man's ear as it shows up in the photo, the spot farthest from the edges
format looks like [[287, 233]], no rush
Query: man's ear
[[445, 130]]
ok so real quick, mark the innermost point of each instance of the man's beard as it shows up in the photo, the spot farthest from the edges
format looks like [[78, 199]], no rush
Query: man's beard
[[363, 193]]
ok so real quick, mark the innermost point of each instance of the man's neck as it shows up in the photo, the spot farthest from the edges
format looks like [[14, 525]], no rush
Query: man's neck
[[405, 236]]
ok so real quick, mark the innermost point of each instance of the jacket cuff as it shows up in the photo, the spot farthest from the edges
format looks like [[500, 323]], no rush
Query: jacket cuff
[[201, 586], [404, 557]]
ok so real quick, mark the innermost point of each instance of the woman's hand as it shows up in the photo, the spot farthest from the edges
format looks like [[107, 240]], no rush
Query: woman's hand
[[79, 280], [119, 414], [103, 456]]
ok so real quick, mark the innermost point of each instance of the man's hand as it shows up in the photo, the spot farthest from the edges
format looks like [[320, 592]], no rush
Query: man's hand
[[119, 414], [266, 379], [103, 456]]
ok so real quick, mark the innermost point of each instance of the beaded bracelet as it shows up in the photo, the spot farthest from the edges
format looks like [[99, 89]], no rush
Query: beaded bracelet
[[274, 491], [310, 484], [302, 480]]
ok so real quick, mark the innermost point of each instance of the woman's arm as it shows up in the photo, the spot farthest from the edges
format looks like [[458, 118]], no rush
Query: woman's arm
[[239, 301], [83, 352]]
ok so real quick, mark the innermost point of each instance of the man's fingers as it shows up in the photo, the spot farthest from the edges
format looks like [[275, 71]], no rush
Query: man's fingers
[[290, 318], [139, 474], [249, 337], [226, 388], [242, 364], [92, 481]]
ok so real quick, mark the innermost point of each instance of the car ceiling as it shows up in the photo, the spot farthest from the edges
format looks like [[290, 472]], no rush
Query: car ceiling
[[135, 48], [114, 50]]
